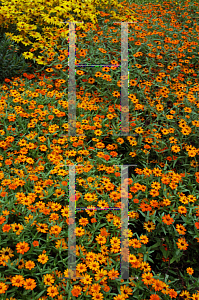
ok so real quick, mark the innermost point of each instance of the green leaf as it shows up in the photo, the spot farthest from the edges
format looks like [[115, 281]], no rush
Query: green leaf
[[42, 292], [176, 257], [155, 245]]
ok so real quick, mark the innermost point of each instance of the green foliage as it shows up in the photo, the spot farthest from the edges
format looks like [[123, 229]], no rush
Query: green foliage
[[11, 63]]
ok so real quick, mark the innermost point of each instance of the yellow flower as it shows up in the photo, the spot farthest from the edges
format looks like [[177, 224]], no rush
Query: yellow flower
[[149, 226], [98, 132], [101, 239], [28, 55], [190, 271], [42, 258], [17, 38], [139, 130], [41, 60]]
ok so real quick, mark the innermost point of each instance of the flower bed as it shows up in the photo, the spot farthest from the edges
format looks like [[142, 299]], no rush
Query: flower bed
[[55, 186]]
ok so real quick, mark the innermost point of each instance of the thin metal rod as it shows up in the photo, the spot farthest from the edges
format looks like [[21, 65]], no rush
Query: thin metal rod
[[98, 65]]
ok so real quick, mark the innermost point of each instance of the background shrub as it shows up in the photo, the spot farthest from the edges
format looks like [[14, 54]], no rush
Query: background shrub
[[12, 63], [38, 26]]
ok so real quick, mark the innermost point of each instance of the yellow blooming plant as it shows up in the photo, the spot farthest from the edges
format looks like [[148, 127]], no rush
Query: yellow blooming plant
[[39, 23]]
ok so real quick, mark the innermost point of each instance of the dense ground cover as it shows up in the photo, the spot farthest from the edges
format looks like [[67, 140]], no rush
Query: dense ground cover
[[36, 152]]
